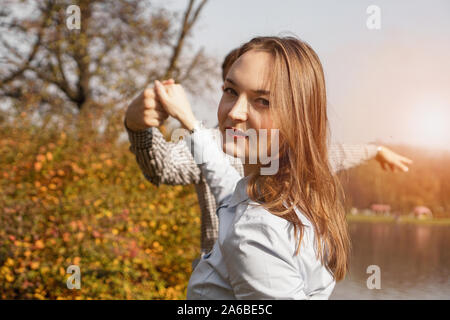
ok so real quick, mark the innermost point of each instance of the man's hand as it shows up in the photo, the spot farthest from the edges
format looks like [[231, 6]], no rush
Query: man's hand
[[146, 111], [388, 158]]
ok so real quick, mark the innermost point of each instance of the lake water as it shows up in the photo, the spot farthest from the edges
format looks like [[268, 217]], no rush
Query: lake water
[[414, 262]]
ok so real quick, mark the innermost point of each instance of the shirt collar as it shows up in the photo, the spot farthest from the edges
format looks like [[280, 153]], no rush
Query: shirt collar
[[240, 192]]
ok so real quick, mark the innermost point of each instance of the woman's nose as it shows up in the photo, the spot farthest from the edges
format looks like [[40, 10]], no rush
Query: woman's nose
[[239, 110]]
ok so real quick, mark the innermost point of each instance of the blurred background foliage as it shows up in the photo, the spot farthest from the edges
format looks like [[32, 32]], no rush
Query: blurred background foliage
[[427, 183]]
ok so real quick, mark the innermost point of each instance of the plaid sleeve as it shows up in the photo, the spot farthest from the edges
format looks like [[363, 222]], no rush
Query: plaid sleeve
[[160, 161], [346, 156]]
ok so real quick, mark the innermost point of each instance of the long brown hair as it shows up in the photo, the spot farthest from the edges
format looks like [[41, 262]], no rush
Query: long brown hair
[[304, 178]]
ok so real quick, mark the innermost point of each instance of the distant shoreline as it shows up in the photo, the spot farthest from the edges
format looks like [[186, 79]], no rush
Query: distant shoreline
[[374, 218]]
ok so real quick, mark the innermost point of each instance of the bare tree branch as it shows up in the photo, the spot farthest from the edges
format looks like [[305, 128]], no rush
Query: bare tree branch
[[192, 65], [34, 50], [197, 12], [53, 80], [102, 65], [187, 25]]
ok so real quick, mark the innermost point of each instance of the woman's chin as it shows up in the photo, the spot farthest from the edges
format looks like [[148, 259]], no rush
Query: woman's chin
[[233, 151]]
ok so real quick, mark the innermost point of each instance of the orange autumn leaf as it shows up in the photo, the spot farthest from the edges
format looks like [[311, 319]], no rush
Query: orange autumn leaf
[[37, 166], [39, 244]]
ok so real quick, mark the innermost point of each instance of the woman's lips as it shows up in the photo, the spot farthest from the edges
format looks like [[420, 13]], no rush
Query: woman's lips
[[235, 133]]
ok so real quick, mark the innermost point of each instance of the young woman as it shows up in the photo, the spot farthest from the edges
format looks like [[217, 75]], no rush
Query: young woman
[[284, 235]]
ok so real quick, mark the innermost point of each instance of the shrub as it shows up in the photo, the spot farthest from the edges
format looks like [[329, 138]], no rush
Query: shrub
[[68, 198]]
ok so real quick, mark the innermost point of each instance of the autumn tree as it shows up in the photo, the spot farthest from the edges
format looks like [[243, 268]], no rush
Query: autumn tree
[[91, 72]]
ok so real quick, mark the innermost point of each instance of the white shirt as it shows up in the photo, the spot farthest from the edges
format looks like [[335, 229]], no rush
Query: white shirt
[[254, 256]]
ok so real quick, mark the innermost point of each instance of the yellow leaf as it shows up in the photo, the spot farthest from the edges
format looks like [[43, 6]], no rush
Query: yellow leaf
[[20, 270], [9, 262], [144, 224], [97, 202], [39, 296], [45, 270], [9, 278]]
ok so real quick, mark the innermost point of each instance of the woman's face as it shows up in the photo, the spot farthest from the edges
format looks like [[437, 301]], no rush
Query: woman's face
[[245, 103]]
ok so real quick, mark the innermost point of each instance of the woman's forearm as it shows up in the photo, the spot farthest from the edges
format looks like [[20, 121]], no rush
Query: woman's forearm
[[345, 156], [219, 173]]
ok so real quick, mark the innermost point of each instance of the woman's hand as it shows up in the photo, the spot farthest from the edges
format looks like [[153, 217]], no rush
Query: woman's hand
[[388, 158], [145, 111], [174, 101]]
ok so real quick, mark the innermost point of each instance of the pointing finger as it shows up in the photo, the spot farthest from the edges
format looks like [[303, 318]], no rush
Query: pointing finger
[[406, 160], [403, 167]]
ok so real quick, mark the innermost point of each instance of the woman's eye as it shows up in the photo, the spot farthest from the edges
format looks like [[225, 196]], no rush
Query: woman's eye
[[263, 101], [230, 91]]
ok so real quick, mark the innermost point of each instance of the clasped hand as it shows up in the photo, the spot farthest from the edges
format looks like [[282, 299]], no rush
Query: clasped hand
[[154, 105]]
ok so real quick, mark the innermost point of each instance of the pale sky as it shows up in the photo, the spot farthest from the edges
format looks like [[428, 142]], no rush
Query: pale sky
[[391, 84]]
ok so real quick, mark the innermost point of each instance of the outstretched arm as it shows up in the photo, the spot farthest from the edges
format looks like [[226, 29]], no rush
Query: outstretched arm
[[160, 161], [346, 156]]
